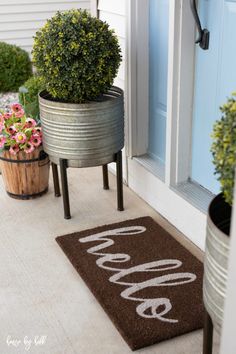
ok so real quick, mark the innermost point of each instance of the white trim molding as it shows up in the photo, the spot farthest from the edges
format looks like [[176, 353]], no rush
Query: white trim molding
[[162, 192], [94, 7], [181, 70], [138, 76], [188, 219]]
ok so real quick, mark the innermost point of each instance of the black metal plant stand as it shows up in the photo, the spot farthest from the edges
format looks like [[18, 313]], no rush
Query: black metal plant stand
[[64, 183], [207, 334]]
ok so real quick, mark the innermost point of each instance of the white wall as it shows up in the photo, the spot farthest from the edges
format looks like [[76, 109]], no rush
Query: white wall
[[113, 12], [19, 19]]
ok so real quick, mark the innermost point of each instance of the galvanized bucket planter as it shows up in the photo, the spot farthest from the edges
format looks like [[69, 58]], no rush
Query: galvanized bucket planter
[[84, 134], [216, 259]]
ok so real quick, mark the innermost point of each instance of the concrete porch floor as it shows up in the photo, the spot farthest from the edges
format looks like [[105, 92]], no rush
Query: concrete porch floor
[[40, 292]]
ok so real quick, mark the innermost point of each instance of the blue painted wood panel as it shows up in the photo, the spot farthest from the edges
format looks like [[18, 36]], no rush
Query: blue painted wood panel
[[215, 80], [158, 68]]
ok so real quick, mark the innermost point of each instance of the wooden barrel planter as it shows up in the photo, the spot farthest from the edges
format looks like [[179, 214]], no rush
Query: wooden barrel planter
[[25, 176]]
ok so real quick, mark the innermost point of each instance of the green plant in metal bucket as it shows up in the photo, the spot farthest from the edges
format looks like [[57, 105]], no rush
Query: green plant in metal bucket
[[28, 96], [77, 55], [224, 148], [15, 67]]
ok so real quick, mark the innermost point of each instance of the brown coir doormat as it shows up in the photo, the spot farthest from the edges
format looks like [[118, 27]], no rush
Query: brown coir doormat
[[149, 285]]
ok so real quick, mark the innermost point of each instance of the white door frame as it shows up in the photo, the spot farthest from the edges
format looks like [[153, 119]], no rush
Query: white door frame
[[180, 85], [164, 196], [94, 7], [137, 84]]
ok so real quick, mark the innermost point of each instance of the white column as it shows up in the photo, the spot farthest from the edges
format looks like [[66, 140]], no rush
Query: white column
[[94, 7], [228, 340]]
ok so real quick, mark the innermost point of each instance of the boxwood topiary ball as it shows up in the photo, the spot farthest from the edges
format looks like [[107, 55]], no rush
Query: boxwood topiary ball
[[15, 67], [77, 55]]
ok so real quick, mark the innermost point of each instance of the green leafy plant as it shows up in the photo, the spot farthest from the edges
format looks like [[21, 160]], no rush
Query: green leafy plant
[[15, 67], [77, 55], [28, 96], [224, 148]]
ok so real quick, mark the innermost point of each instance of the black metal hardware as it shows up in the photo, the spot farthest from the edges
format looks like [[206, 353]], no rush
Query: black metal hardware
[[57, 191], [207, 334], [27, 196], [42, 156], [119, 181], [64, 186], [204, 34], [64, 182], [105, 177]]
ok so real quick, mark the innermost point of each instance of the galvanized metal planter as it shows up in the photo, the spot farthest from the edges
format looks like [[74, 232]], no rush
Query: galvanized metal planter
[[84, 134], [216, 259]]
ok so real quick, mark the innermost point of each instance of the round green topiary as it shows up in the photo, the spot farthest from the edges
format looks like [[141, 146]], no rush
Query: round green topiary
[[28, 96], [15, 67], [224, 148], [77, 55]]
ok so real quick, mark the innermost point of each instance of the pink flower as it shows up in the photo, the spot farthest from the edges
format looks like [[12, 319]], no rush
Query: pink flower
[[20, 138], [29, 148], [19, 114], [14, 149], [35, 140], [16, 107], [38, 131], [11, 130], [1, 127], [30, 123], [7, 115], [2, 141], [1, 118]]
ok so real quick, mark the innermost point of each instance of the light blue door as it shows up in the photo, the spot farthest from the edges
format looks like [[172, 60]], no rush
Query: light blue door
[[158, 67], [215, 79]]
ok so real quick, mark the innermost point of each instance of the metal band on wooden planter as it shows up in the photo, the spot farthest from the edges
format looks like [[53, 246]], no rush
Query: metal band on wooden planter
[[42, 156], [27, 196]]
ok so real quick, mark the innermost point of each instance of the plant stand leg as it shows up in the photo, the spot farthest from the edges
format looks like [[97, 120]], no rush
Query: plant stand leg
[[105, 177], [208, 334], [55, 180], [119, 181], [64, 185]]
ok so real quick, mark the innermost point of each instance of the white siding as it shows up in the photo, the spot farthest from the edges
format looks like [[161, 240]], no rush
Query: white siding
[[113, 12], [20, 19]]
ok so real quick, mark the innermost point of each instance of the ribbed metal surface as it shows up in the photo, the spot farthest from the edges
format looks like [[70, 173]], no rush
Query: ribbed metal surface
[[84, 134], [215, 272]]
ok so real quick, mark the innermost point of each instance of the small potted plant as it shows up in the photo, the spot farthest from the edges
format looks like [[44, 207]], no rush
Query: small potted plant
[[219, 213], [24, 165], [28, 96], [82, 114]]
